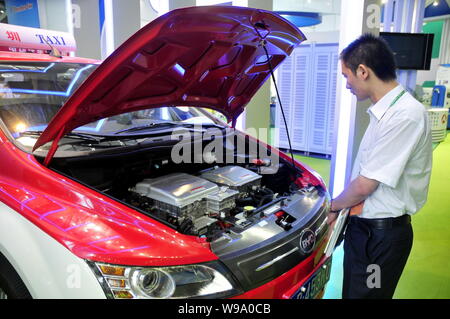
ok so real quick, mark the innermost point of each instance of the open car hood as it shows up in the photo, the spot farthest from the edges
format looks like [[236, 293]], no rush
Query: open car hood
[[200, 56]]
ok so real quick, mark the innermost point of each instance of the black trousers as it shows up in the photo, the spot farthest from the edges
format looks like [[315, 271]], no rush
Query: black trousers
[[374, 259]]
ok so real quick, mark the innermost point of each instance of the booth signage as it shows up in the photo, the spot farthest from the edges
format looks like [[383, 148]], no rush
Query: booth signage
[[23, 12], [22, 39]]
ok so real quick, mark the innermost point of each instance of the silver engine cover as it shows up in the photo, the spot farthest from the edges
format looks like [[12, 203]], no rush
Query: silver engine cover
[[182, 191], [186, 196], [235, 177]]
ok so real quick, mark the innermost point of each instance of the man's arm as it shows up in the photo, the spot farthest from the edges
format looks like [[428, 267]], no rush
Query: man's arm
[[358, 190]]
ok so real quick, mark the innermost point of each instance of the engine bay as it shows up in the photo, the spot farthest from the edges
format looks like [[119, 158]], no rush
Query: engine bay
[[209, 200], [205, 205]]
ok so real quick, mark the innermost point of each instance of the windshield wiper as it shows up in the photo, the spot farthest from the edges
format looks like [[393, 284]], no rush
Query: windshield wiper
[[162, 124], [85, 137]]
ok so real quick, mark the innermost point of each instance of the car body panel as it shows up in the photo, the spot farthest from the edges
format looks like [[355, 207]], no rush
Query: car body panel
[[34, 259], [211, 57], [88, 223], [285, 286]]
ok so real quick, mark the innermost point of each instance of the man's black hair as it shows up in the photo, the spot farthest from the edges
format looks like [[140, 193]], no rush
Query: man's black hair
[[372, 51]]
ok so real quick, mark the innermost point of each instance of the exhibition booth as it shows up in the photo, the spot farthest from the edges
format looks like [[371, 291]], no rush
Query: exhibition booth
[[177, 149]]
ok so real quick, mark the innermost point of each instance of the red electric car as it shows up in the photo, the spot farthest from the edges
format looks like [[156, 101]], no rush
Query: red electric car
[[116, 182]]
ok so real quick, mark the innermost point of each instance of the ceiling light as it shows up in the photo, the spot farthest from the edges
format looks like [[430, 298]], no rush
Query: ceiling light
[[20, 127]]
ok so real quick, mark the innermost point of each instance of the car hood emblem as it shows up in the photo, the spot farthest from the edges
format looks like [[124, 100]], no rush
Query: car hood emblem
[[307, 241]]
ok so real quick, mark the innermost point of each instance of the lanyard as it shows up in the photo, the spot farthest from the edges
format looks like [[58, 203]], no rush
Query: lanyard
[[397, 97], [394, 101]]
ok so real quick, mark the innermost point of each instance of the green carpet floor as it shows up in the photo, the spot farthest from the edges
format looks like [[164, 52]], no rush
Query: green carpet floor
[[427, 273]]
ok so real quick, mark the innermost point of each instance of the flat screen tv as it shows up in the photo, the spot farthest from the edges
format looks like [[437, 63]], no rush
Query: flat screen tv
[[412, 51]]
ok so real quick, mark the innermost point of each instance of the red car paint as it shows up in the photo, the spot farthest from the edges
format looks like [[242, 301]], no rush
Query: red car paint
[[287, 284], [89, 224], [215, 60], [97, 228]]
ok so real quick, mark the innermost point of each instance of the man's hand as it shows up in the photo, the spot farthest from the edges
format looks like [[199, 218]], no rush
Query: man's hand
[[331, 218]]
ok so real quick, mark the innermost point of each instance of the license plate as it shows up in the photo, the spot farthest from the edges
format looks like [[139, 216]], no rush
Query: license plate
[[315, 284]]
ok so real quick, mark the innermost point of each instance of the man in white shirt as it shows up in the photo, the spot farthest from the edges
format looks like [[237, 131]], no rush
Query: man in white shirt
[[390, 176]]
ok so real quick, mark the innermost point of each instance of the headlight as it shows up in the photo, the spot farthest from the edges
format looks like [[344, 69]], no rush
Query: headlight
[[191, 281]]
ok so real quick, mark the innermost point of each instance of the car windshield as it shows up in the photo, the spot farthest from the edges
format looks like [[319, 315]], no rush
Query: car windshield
[[31, 93]]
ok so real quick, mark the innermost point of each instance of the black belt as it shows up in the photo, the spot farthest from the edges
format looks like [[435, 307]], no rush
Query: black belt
[[382, 223]]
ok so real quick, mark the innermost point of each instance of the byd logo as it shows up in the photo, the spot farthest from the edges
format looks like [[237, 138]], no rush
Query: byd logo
[[307, 240]]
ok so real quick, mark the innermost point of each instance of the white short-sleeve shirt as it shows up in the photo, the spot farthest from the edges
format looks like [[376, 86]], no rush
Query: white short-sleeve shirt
[[396, 150]]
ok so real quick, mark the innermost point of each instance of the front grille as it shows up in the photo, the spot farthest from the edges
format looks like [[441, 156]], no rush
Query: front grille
[[270, 261]]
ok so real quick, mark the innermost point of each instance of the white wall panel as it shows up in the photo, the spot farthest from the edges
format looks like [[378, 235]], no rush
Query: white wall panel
[[307, 84]]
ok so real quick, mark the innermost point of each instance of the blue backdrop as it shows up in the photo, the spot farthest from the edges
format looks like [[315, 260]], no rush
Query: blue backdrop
[[23, 12]]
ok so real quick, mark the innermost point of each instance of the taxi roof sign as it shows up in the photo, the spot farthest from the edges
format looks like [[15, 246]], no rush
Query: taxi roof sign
[[16, 38]]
